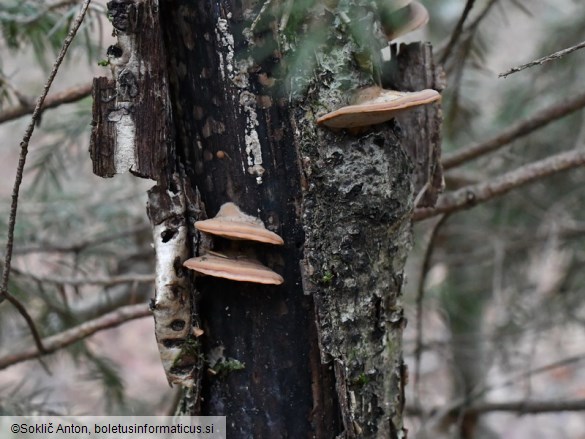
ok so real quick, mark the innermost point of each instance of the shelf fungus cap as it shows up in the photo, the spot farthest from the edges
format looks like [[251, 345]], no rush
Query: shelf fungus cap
[[230, 222], [235, 268], [394, 5], [374, 105], [404, 20]]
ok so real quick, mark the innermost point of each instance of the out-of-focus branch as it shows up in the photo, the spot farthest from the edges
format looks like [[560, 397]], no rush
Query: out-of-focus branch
[[528, 407], [4, 294], [104, 281], [426, 265], [79, 246], [472, 195], [517, 130], [72, 94], [456, 32], [543, 60], [519, 407], [66, 338]]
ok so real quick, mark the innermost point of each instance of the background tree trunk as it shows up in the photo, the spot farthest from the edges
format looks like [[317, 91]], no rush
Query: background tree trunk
[[321, 355]]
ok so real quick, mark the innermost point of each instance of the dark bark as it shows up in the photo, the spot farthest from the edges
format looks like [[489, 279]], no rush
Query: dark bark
[[321, 355]]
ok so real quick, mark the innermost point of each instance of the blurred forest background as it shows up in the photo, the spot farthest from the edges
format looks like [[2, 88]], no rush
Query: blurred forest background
[[494, 294]]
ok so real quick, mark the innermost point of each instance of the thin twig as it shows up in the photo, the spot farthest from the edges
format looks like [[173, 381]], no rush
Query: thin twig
[[419, 302], [84, 330], [519, 407], [83, 244], [4, 294], [72, 94], [103, 281], [519, 129], [472, 195], [464, 402], [456, 32], [543, 60], [528, 407]]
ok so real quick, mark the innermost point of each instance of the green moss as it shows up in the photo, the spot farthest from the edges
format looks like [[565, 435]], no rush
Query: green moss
[[228, 365], [327, 278], [361, 380]]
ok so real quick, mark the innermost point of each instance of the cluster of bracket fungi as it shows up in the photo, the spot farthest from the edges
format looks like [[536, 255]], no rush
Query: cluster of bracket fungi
[[231, 223], [374, 105]]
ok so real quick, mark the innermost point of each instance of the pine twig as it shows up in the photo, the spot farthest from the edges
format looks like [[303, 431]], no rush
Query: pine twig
[[480, 193], [528, 407], [4, 294], [77, 333], [544, 59], [519, 129], [70, 95]]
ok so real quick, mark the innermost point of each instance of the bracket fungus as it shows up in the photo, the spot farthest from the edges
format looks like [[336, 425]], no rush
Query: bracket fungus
[[374, 105], [235, 268], [400, 21], [230, 222]]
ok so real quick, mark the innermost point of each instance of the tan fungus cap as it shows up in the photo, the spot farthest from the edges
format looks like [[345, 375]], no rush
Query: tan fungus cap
[[235, 268], [230, 222], [407, 19], [375, 105]]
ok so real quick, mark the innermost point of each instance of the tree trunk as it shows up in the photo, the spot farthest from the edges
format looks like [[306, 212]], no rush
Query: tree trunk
[[320, 355]]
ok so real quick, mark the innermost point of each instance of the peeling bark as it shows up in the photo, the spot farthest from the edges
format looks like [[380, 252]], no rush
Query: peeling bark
[[131, 126], [172, 307]]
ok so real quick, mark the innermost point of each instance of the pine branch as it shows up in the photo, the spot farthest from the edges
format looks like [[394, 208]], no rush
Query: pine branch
[[426, 265], [528, 407], [83, 244], [72, 94], [456, 32], [77, 333], [519, 129], [103, 281], [543, 60], [480, 193], [4, 294]]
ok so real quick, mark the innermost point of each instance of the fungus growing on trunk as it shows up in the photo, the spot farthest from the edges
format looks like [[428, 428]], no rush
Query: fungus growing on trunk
[[400, 21], [235, 268], [374, 105], [230, 222]]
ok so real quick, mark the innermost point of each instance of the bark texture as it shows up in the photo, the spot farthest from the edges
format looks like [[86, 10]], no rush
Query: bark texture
[[321, 355], [132, 114]]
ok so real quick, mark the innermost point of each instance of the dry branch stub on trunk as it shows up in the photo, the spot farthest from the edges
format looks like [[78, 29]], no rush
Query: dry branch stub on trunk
[[413, 68], [131, 116]]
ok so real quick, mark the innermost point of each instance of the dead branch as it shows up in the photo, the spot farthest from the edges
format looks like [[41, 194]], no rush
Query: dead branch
[[104, 281], [543, 60], [419, 301], [472, 195], [528, 407], [4, 294], [456, 32], [517, 130], [72, 94], [70, 336], [83, 244]]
